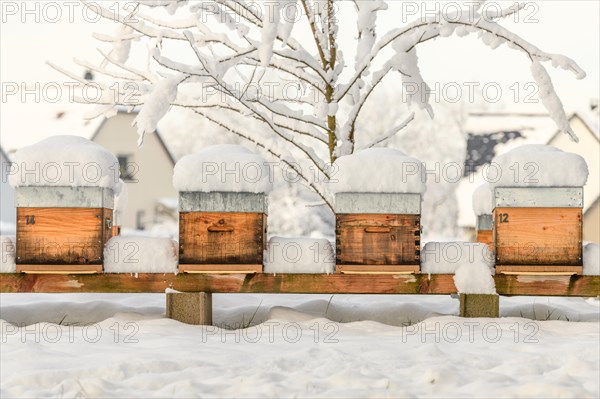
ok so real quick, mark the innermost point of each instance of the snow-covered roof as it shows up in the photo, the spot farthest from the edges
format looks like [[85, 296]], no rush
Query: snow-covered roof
[[119, 110], [169, 202], [3, 155], [592, 119], [532, 129]]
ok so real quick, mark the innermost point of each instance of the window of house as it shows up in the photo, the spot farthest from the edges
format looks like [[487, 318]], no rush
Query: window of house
[[140, 223], [125, 167]]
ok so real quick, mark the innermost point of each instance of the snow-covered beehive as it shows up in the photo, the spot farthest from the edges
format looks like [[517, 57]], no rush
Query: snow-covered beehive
[[537, 210], [483, 208], [64, 199], [120, 204], [485, 230], [223, 205], [378, 212]]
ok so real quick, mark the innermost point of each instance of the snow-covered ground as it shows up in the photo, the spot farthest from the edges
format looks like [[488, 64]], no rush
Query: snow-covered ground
[[122, 345]]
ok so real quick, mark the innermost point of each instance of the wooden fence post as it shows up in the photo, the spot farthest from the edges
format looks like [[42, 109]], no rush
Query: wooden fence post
[[190, 307], [479, 305]]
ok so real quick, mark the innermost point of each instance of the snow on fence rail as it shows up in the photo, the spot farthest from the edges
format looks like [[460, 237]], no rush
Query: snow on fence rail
[[336, 283], [140, 255]]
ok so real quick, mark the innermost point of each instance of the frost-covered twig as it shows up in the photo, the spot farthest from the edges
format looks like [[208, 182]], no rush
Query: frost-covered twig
[[291, 164], [308, 151], [392, 132], [241, 46]]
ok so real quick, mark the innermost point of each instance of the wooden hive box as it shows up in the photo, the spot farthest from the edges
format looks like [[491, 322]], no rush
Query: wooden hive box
[[485, 230], [116, 225], [538, 230], [62, 229], [378, 233], [222, 232]]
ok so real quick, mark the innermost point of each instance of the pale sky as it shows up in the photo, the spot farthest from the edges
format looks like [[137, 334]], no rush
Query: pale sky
[[566, 27]]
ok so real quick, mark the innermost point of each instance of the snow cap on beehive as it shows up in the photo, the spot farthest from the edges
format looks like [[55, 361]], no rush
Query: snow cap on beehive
[[223, 168], [483, 200], [70, 161], [538, 165], [121, 197], [378, 170]]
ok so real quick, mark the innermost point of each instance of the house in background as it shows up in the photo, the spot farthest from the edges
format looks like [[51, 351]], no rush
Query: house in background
[[489, 134], [7, 198], [586, 128], [147, 171]]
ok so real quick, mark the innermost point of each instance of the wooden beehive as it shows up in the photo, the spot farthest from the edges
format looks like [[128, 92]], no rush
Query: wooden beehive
[[116, 226], [222, 232], [62, 229], [378, 232], [538, 230], [485, 230]]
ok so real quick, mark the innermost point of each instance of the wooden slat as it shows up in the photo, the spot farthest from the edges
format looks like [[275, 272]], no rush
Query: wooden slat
[[361, 220], [377, 269], [368, 239], [532, 269], [61, 235], [584, 286], [216, 269], [64, 269], [538, 236], [221, 237]]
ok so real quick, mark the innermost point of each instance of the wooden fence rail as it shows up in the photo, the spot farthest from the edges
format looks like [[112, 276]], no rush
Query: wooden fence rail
[[578, 286]]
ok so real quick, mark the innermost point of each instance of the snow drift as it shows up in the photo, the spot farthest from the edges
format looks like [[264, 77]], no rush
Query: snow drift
[[7, 255], [591, 259]]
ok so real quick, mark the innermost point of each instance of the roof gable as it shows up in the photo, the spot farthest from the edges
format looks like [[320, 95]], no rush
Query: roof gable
[[159, 138]]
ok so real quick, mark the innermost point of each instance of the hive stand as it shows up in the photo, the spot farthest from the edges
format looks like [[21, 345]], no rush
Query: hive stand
[[260, 283]]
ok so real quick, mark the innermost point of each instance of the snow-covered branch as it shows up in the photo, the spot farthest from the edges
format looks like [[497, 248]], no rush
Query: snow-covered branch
[[392, 132], [274, 153], [244, 57]]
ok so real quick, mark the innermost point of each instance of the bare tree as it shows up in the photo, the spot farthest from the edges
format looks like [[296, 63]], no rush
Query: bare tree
[[213, 66]]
